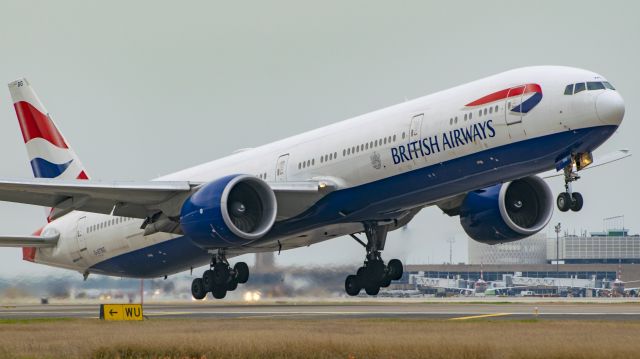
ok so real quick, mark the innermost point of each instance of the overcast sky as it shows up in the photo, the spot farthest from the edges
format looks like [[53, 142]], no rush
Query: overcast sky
[[145, 88]]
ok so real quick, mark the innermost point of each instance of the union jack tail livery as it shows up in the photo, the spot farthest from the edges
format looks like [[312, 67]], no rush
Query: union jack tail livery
[[49, 153]]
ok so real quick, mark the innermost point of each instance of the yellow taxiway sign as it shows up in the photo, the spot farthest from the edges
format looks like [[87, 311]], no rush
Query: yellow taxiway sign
[[121, 311]]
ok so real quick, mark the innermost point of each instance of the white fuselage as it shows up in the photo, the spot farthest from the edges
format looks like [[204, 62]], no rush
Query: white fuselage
[[363, 150]]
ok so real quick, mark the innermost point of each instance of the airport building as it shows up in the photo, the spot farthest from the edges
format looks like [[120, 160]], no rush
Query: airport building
[[612, 246]]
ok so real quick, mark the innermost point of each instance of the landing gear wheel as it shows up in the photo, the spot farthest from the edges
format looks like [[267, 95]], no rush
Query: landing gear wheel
[[375, 272], [219, 292], [220, 274], [352, 285], [207, 280], [395, 269], [564, 201], [197, 289], [242, 272], [385, 282], [577, 202], [232, 285], [372, 289]]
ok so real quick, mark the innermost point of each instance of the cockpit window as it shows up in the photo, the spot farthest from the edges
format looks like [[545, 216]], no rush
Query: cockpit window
[[608, 85], [579, 87], [568, 90], [595, 86]]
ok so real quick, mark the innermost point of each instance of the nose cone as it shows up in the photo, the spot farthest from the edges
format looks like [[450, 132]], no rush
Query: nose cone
[[610, 107]]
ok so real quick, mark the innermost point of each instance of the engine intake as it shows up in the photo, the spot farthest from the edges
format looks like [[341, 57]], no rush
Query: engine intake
[[507, 212], [230, 211]]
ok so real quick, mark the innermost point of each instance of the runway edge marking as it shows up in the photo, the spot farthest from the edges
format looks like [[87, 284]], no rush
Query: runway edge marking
[[482, 316]]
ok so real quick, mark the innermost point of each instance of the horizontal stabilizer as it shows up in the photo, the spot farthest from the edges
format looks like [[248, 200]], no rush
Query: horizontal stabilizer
[[45, 240]]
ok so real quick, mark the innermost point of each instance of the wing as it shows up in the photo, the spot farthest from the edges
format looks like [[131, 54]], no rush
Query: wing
[[141, 199], [597, 162], [451, 205]]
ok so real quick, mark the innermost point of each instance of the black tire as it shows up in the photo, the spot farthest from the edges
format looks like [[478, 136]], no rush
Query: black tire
[[197, 289], [219, 292], [352, 285], [577, 202], [360, 272], [385, 282], [375, 272], [372, 289], [242, 272], [220, 275], [232, 285], [564, 201], [207, 279], [395, 269]]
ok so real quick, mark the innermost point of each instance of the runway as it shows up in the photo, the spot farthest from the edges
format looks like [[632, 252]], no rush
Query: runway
[[361, 310]]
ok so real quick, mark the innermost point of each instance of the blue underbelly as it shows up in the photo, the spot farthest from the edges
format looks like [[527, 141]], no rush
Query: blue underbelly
[[373, 200]]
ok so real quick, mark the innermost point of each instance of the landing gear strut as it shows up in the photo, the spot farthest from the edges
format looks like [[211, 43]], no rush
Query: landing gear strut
[[569, 200], [374, 274], [220, 278]]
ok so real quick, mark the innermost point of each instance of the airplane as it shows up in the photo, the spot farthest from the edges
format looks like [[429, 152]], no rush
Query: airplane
[[473, 150]]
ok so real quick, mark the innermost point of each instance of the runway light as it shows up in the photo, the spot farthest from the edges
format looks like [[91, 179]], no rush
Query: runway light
[[252, 296]]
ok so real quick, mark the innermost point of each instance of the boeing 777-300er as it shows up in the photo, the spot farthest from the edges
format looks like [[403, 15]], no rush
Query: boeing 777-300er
[[475, 151]]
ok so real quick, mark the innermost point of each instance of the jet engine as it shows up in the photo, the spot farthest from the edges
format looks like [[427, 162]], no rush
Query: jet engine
[[230, 211], [507, 212]]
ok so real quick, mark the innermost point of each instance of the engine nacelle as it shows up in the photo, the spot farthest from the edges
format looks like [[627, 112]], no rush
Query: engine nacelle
[[507, 212], [230, 211]]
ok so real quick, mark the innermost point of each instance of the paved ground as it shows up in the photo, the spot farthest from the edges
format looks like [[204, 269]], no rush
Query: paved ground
[[332, 310]]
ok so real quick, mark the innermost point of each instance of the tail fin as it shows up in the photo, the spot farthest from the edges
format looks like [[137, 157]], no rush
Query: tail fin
[[49, 152]]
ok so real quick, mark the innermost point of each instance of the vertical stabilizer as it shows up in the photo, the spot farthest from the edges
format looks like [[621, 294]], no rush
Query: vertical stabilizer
[[49, 153]]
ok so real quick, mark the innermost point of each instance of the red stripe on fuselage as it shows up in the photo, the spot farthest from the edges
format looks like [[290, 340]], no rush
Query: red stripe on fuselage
[[504, 94], [35, 124]]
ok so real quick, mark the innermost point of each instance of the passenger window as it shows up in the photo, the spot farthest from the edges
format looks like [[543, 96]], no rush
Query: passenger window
[[335, 155], [485, 111], [568, 90], [394, 138], [313, 161], [579, 87], [456, 119], [594, 85], [480, 113], [465, 116], [470, 115], [490, 109], [608, 85], [496, 108], [451, 121]]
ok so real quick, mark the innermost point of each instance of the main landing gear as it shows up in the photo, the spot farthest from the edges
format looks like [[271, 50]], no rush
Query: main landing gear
[[374, 274], [220, 279], [569, 200]]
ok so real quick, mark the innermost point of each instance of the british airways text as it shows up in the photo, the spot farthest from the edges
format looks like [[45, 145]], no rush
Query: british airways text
[[447, 140]]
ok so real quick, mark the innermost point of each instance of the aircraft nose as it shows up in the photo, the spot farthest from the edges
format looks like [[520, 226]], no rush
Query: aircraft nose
[[610, 107]]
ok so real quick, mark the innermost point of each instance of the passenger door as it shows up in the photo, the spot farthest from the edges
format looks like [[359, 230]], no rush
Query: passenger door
[[415, 132], [81, 241], [281, 168], [513, 119]]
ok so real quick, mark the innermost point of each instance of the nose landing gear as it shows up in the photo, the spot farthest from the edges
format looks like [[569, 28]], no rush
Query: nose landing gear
[[569, 200], [220, 279], [374, 274]]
